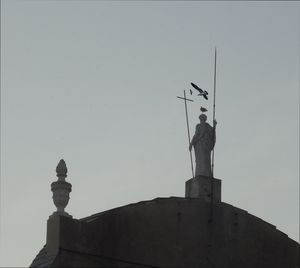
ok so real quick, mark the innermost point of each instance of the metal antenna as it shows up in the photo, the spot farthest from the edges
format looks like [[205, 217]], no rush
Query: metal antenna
[[188, 127], [213, 151]]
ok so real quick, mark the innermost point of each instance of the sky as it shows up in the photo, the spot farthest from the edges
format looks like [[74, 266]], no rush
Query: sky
[[96, 83]]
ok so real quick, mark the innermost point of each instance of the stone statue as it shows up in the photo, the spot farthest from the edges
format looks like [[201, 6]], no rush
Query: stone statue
[[203, 142]]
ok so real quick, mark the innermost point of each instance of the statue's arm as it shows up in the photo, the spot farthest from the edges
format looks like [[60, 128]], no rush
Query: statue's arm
[[192, 143]]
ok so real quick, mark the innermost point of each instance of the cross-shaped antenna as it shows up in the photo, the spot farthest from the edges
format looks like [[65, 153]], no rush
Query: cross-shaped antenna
[[188, 126]]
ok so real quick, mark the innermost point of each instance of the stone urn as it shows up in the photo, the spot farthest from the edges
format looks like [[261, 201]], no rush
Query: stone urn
[[61, 190]]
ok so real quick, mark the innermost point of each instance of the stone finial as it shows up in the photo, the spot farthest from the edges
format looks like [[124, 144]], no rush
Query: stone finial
[[61, 170], [61, 190]]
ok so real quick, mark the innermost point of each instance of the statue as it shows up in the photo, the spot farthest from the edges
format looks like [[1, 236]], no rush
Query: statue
[[203, 142]]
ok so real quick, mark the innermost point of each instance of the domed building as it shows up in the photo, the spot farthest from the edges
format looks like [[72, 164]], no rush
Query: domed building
[[195, 231]]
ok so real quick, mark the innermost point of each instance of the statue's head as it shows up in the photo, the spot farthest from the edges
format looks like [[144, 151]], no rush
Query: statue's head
[[202, 118]]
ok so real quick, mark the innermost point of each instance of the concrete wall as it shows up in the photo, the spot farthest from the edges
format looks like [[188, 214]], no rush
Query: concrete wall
[[171, 232]]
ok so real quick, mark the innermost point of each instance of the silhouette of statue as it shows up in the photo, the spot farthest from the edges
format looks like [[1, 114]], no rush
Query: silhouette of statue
[[203, 142]]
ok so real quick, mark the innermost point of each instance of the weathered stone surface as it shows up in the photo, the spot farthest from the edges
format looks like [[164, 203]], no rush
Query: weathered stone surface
[[170, 232], [200, 187]]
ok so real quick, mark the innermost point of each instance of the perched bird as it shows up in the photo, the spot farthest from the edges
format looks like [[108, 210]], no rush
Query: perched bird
[[203, 93], [203, 110]]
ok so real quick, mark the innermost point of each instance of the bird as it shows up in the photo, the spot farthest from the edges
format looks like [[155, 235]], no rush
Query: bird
[[191, 92], [203, 93], [203, 110]]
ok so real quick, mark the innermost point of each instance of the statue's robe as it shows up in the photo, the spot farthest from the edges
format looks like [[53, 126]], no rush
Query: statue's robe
[[203, 142]]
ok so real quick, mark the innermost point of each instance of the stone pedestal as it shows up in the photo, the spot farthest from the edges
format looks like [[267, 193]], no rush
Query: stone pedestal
[[200, 187], [61, 231]]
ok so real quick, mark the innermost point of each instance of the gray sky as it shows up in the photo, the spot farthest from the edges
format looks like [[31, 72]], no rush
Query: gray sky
[[95, 83]]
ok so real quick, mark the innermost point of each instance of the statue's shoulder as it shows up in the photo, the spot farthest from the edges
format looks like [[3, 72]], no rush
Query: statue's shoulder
[[208, 125]]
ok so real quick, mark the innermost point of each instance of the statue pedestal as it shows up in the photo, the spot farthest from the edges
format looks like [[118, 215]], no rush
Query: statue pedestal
[[200, 187]]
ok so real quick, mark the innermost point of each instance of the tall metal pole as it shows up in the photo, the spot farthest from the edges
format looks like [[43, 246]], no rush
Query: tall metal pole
[[213, 151], [214, 111], [188, 129]]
